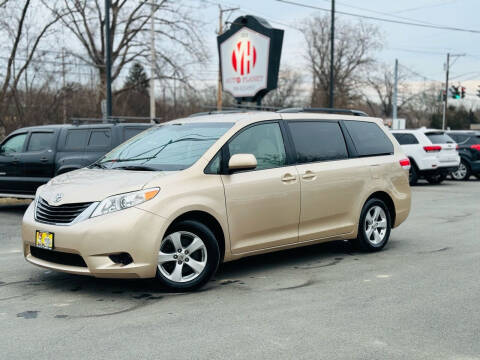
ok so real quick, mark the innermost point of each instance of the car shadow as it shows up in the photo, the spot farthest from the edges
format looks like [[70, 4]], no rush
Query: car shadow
[[325, 254]]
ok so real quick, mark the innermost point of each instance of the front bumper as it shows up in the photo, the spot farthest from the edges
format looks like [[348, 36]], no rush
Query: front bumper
[[132, 231]]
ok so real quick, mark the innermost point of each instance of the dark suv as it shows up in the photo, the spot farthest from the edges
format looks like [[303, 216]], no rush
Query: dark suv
[[469, 151], [29, 157]]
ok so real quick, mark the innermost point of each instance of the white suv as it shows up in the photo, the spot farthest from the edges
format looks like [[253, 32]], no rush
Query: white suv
[[433, 154]]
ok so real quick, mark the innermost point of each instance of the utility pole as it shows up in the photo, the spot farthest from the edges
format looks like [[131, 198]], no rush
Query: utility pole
[[108, 60], [445, 108], [64, 93], [395, 91], [220, 32], [153, 62], [332, 55]]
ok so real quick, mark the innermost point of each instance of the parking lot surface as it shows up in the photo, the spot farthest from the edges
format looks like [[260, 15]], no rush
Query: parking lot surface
[[417, 299]]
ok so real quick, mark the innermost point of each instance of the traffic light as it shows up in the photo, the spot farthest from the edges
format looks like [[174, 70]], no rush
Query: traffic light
[[455, 91], [478, 91], [462, 91]]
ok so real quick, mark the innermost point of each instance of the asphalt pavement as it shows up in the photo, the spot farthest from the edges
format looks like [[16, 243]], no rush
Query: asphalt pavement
[[417, 299]]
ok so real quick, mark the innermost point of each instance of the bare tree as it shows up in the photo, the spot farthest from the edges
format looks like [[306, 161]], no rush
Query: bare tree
[[129, 24], [15, 17], [289, 90], [354, 46], [379, 89]]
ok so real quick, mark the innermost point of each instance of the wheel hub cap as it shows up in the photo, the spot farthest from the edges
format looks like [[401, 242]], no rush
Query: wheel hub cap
[[182, 256], [375, 225]]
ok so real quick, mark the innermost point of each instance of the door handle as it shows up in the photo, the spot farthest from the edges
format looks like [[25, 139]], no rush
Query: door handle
[[288, 178], [43, 159], [309, 175]]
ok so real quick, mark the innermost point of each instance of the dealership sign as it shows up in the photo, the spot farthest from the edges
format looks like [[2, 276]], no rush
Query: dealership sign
[[250, 58]]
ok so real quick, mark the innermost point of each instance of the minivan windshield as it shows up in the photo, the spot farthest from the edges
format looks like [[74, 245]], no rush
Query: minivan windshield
[[168, 147]]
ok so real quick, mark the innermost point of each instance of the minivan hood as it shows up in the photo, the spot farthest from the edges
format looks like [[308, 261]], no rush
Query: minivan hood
[[89, 185]]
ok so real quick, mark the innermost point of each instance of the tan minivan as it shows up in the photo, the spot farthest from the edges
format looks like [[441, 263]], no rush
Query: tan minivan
[[178, 199]]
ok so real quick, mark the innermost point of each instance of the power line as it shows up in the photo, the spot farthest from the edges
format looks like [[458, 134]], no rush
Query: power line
[[439, 27]]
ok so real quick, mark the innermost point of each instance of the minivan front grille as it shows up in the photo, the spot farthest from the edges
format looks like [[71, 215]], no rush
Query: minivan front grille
[[58, 257], [62, 214]]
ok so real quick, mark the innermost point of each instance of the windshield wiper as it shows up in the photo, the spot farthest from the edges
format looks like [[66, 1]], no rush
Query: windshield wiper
[[161, 148], [97, 165], [135, 167]]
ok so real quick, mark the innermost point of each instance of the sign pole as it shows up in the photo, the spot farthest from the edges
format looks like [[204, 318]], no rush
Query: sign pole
[[332, 56], [108, 60]]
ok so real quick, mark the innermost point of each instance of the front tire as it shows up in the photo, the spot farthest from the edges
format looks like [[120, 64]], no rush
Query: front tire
[[374, 226], [463, 172], [188, 257]]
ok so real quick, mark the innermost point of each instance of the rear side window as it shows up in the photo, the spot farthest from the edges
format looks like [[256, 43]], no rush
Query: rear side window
[[130, 132], [318, 141], [405, 139], [368, 138], [40, 141], [76, 139], [439, 138], [99, 138]]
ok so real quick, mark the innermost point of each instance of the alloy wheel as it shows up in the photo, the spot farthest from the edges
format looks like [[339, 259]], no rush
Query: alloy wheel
[[375, 226], [461, 172], [182, 256]]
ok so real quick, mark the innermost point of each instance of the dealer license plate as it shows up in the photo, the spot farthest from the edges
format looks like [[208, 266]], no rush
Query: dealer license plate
[[44, 240]]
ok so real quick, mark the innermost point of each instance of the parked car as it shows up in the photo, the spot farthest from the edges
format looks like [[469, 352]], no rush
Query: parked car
[[433, 153], [469, 149], [29, 157], [181, 197]]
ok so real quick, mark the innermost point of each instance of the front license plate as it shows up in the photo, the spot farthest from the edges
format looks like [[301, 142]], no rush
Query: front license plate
[[44, 240]]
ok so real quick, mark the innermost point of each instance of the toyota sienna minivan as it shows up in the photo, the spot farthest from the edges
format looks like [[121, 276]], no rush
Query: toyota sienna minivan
[[178, 199]]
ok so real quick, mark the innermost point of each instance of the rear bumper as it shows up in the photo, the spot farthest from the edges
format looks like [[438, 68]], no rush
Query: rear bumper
[[439, 171]]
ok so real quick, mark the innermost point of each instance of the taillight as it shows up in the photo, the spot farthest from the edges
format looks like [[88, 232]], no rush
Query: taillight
[[434, 148], [405, 163], [457, 147], [476, 147]]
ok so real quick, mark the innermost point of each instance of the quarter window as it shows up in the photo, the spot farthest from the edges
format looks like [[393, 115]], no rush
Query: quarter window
[[368, 138], [318, 141], [405, 139], [265, 141], [14, 144], [76, 139], [40, 141], [99, 138]]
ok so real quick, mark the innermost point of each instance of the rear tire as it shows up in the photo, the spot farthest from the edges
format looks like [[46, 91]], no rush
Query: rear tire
[[188, 257], [436, 179], [463, 172], [413, 174], [477, 176], [374, 226]]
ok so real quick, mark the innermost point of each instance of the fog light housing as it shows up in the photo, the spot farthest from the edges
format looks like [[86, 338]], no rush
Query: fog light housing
[[121, 258]]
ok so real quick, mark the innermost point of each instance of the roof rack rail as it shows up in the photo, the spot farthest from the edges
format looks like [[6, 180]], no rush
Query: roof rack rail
[[112, 120], [323, 110]]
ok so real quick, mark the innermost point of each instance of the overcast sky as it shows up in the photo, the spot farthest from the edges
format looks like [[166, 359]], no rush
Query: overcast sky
[[422, 50]]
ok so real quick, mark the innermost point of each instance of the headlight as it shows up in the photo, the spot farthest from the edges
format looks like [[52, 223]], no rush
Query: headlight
[[124, 201]]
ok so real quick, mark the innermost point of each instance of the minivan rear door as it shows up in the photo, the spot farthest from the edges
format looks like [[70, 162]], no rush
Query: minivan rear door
[[330, 182]]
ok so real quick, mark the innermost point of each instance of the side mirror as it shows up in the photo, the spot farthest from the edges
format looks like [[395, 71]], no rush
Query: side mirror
[[242, 162]]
